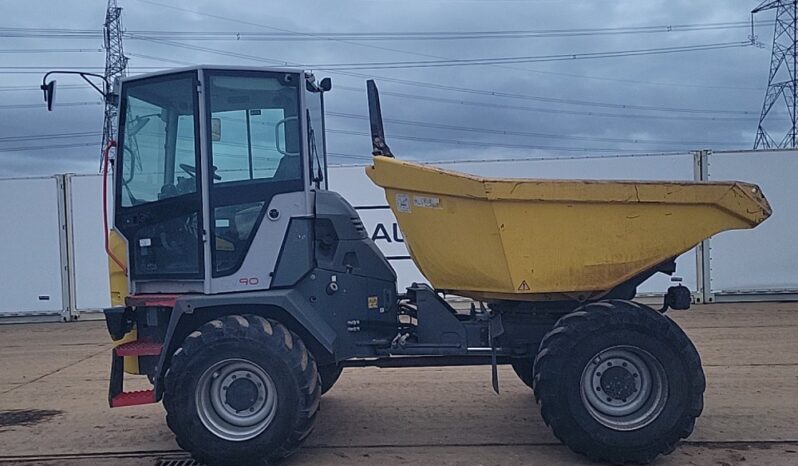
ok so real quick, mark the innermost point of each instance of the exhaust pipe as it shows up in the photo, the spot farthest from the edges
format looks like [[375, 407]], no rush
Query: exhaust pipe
[[379, 147]]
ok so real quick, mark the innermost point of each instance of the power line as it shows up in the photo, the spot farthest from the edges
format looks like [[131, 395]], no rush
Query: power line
[[44, 137], [50, 33], [449, 141], [471, 91], [165, 60], [528, 59], [210, 15], [26, 51], [513, 95], [348, 156], [461, 62], [458, 101], [154, 35], [437, 35], [238, 21], [543, 109], [315, 34], [458, 142], [219, 52], [37, 69], [40, 68], [42, 106], [38, 89], [563, 100], [532, 158], [640, 82], [532, 134], [47, 147], [513, 107], [383, 35]]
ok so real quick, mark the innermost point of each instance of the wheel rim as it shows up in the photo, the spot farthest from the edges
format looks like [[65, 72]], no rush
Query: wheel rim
[[624, 387], [236, 399]]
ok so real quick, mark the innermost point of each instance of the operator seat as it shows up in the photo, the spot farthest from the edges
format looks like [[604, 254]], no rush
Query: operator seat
[[290, 168], [168, 190]]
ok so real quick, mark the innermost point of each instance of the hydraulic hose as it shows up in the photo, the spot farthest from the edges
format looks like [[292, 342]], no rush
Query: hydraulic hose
[[108, 251]]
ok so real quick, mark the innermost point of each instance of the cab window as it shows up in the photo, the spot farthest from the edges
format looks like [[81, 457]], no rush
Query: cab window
[[254, 129], [159, 146]]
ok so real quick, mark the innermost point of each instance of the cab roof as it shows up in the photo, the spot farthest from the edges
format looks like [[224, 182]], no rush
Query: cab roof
[[212, 67]]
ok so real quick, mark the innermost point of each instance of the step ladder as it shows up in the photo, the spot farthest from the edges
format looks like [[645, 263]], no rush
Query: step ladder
[[117, 397]]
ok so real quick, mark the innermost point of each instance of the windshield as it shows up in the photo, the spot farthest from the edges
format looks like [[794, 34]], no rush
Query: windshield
[[158, 155]]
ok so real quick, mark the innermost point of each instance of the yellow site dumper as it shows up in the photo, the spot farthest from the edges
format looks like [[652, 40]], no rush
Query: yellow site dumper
[[527, 239], [242, 286]]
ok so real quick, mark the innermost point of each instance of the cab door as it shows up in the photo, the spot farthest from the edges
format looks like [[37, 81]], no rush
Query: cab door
[[158, 207], [256, 156]]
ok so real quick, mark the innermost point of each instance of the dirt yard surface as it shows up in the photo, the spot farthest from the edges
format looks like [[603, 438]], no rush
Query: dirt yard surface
[[53, 408]]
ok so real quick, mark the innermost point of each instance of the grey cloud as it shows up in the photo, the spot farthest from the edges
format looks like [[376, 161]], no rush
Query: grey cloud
[[732, 79]]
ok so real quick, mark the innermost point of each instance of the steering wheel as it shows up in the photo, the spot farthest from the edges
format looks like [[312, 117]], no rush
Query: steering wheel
[[192, 171]]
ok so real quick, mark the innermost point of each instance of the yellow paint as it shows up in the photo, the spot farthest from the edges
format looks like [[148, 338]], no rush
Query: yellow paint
[[118, 278], [528, 239], [119, 291], [224, 245]]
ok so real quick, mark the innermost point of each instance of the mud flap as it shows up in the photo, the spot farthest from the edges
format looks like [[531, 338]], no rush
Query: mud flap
[[495, 329], [117, 375]]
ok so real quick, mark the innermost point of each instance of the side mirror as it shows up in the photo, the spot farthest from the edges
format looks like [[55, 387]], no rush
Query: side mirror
[[325, 84], [49, 94]]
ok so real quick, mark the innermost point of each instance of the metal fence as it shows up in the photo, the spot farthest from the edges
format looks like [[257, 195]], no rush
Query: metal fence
[[759, 264], [54, 264]]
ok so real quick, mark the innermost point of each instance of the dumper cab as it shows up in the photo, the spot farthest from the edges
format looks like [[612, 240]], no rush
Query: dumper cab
[[208, 159]]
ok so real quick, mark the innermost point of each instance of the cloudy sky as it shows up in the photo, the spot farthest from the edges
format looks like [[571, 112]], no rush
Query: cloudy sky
[[521, 105]]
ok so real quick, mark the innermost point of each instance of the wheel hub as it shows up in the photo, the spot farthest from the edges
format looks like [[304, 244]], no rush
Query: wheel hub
[[236, 399], [241, 394], [618, 383], [624, 387]]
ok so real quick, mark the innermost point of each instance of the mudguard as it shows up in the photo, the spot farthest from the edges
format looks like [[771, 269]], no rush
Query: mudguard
[[289, 300]]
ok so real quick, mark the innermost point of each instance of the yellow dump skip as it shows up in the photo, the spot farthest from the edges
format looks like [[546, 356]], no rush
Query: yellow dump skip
[[527, 239]]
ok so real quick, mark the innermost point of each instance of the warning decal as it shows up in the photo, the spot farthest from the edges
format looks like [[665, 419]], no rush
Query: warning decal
[[403, 202], [427, 202], [524, 286]]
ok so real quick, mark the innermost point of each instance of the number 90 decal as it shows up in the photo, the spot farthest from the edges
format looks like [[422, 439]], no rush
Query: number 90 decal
[[249, 281]]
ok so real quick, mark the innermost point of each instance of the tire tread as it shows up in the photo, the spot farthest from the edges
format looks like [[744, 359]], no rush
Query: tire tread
[[562, 339], [263, 331]]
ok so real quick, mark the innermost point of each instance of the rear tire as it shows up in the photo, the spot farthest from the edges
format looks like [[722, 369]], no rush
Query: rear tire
[[523, 369], [241, 390], [618, 382]]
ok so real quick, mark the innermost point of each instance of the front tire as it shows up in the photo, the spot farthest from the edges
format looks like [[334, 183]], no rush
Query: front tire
[[618, 382], [241, 390]]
